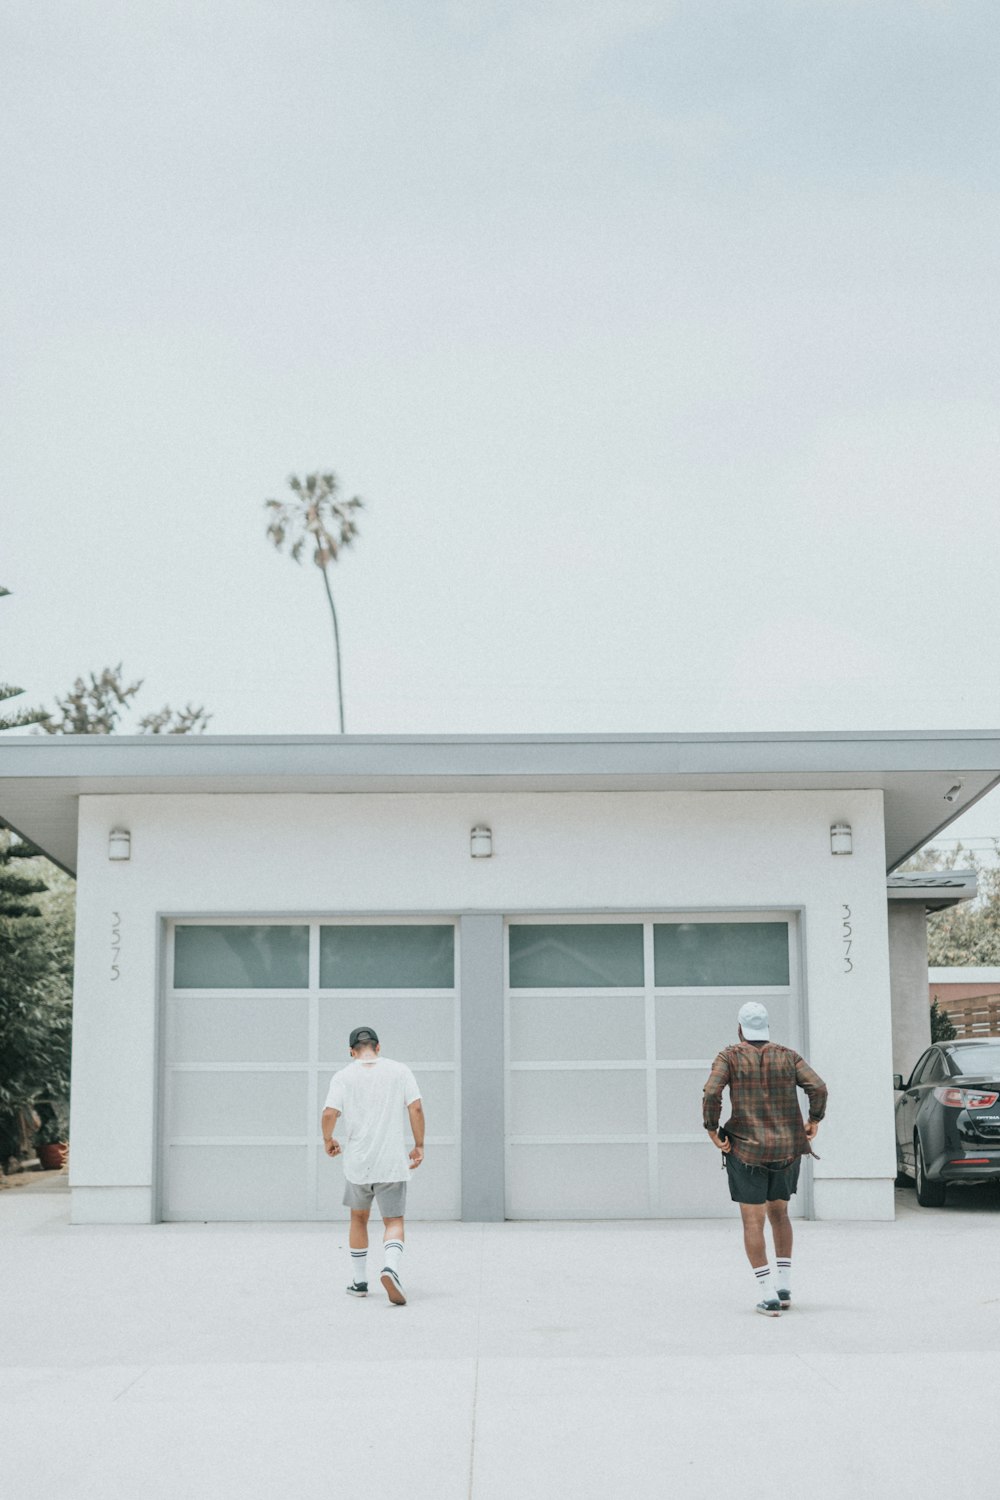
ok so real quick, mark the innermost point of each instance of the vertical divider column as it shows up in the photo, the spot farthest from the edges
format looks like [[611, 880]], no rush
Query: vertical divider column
[[480, 1000], [312, 1074], [652, 1125]]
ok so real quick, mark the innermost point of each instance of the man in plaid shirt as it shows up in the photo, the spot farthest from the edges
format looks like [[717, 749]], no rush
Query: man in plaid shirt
[[763, 1141]]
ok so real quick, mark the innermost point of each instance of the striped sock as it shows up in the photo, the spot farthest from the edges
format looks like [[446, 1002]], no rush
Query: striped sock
[[359, 1267], [762, 1275], [783, 1275], [393, 1252]]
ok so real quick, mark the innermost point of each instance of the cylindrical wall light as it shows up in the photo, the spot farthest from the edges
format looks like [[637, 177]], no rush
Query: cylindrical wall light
[[841, 840], [119, 844], [481, 842]]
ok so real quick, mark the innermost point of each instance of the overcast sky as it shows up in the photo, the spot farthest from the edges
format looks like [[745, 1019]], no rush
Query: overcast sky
[[659, 338]]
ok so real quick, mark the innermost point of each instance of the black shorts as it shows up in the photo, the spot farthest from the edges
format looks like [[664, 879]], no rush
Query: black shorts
[[770, 1183]]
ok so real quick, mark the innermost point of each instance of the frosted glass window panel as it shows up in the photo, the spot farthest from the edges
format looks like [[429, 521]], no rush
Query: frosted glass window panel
[[576, 955], [421, 1029], [238, 1104], [720, 953], [236, 1182], [692, 1182], [701, 1025], [387, 958], [577, 1182], [261, 1028], [241, 958], [438, 1095], [678, 1100], [578, 1102], [577, 1028]]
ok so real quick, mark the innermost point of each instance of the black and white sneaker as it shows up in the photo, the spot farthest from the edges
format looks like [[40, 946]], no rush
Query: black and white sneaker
[[358, 1289], [785, 1298], [770, 1307], [393, 1287]]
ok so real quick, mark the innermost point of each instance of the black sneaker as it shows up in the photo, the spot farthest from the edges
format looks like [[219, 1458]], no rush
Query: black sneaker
[[358, 1289], [393, 1287], [785, 1298], [770, 1307]]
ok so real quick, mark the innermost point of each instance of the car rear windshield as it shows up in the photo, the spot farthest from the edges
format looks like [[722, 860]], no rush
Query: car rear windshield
[[974, 1061]]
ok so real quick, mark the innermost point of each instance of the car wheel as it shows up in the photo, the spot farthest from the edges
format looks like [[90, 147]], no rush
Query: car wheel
[[929, 1194]]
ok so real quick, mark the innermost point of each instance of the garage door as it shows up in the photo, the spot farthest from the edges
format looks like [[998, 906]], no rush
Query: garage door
[[256, 1019], [611, 1027]]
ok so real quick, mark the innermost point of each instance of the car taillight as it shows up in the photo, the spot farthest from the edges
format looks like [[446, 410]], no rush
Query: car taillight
[[965, 1098]]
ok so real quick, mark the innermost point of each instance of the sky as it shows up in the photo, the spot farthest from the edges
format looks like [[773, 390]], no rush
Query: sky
[[660, 340]]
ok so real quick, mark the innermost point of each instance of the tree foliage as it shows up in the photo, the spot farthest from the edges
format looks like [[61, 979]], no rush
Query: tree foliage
[[966, 935], [942, 1026], [96, 704], [318, 519], [21, 717]]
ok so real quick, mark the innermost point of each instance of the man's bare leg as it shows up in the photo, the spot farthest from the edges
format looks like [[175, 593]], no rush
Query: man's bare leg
[[781, 1229], [754, 1217], [358, 1235]]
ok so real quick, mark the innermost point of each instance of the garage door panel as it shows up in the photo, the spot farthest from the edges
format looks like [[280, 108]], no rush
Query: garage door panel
[[236, 1182], [693, 1184], [245, 1029], [581, 1102], [421, 1029], [690, 1026], [577, 1028], [678, 1100], [586, 1182], [238, 1104]]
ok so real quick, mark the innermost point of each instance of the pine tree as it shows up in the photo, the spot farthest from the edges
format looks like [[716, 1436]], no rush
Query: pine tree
[[21, 717]]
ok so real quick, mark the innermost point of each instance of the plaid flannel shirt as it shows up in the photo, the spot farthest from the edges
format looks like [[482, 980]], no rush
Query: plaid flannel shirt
[[765, 1124]]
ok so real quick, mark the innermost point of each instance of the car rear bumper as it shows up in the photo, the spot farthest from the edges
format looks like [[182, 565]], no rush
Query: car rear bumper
[[974, 1164]]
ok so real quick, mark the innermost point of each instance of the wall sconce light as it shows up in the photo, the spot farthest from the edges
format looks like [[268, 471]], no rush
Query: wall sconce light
[[481, 842], [841, 839], [953, 793], [119, 844]]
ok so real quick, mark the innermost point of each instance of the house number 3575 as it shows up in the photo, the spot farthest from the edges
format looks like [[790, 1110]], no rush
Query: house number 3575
[[847, 938]]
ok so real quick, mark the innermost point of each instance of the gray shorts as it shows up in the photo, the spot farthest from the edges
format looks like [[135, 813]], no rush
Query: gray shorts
[[390, 1197]]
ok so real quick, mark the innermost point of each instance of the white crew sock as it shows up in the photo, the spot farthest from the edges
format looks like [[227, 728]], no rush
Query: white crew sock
[[762, 1275], [393, 1251], [783, 1275], [359, 1267]]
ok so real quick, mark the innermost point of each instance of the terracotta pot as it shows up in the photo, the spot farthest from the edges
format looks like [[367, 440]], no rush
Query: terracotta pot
[[52, 1157]]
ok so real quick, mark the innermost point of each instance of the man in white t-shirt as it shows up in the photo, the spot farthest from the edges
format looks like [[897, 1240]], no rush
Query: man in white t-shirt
[[375, 1095]]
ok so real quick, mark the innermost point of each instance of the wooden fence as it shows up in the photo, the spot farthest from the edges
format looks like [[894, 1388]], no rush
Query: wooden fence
[[976, 1017]]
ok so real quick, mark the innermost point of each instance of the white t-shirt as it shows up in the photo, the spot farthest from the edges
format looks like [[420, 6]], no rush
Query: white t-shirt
[[372, 1095]]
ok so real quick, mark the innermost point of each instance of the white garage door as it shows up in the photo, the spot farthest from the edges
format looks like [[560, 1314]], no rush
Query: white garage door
[[257, 1018], [611, 1027]]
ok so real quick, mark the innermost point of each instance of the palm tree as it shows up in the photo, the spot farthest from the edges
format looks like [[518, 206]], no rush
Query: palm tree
[[318, 518]]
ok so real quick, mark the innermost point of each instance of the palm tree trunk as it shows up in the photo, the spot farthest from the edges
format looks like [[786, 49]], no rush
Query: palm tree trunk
[[336, 643]]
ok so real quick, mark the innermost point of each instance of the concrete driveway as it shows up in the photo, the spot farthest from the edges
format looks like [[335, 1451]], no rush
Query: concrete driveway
[[533, 1360]]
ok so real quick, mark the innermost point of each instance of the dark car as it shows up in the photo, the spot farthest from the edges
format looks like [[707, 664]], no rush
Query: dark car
[[948, 1117]]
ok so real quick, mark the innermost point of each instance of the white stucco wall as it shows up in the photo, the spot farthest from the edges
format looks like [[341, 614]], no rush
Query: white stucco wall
[[242, 854]]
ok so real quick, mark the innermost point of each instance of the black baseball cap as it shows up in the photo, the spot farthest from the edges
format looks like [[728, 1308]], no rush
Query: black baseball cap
[[363, 1034]]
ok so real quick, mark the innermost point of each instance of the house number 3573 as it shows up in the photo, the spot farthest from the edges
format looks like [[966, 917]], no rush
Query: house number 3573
[[847, 938], [116, 944]]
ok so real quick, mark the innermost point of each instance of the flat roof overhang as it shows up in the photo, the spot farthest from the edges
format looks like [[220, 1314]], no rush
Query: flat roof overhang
[[42, 776]]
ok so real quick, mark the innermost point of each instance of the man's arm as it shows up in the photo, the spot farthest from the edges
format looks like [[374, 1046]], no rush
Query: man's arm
[[416, 1114], [711, 1105], [328, 1123], [812, 1085]]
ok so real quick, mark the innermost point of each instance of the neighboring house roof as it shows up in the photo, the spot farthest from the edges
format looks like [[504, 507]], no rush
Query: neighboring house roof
[[935, 888], [42, 776]]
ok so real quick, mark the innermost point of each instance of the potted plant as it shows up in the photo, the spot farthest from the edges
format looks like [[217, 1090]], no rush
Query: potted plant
[[51, 1144]]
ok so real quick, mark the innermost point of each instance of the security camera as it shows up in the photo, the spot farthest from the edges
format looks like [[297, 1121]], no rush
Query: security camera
[[952, 794]]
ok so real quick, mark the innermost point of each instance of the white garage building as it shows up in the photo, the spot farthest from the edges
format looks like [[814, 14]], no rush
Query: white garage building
[[554, 932]]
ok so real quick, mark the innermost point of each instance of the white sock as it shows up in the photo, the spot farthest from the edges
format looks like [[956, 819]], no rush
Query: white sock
[[762, 1276], [359, 1267], [393, 1252], [783, 1275]]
